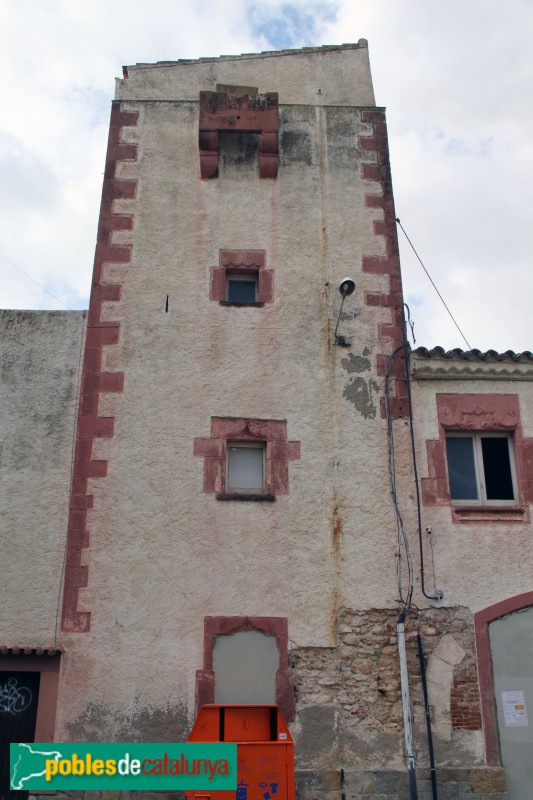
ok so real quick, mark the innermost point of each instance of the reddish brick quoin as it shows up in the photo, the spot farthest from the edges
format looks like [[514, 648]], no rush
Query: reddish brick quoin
[[390, 332], [226, 626], [94, 380]]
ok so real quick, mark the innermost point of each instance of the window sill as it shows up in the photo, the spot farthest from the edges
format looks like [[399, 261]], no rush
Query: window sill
[[490, 513], [254, 304], [258, 498]]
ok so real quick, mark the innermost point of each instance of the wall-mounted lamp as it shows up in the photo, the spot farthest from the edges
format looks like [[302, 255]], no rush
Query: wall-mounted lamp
[[347, 287]]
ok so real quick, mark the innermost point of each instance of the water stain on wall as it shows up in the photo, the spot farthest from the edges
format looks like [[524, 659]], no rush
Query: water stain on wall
[[100, 722]]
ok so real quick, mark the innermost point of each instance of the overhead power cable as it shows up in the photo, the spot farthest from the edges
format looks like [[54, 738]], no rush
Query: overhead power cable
[[433, 283], [36, 283]]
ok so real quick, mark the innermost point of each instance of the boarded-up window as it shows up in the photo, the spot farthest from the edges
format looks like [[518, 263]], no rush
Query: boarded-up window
[[245, 666]]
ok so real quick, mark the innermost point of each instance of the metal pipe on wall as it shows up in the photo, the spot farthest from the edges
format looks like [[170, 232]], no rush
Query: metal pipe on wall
[[406, 707]]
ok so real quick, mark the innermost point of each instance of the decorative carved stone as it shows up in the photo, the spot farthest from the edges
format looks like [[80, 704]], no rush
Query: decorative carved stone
[[220, 111], [242, 262], [479, 412]]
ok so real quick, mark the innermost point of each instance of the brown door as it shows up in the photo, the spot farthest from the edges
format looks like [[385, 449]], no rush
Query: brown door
[[19, 693]]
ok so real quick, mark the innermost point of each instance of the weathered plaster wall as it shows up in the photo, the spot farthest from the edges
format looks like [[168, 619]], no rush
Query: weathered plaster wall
[[481, 562], [40, 362], [163, 554], [336, 75], [159, 553]]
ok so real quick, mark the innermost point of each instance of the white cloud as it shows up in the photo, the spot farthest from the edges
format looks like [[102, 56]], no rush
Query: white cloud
[[456, 79]]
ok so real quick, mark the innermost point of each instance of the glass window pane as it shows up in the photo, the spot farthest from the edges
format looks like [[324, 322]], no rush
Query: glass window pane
[[245, 468], [461, 468], [242, 291], [497, 468]]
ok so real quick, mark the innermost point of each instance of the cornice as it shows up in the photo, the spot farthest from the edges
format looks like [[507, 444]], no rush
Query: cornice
[[471, 365]]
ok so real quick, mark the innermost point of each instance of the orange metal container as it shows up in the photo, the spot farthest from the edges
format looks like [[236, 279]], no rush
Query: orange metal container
[[265, 750]]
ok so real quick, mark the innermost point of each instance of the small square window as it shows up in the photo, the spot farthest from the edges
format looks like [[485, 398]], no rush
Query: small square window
[[481, 469], [241, 288], [246, 468]]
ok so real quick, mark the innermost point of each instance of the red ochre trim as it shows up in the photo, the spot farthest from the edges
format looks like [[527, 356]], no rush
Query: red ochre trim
[[242, 261], [94, 379], [478, 413], [482, 621], [243, 114], [241, 429], [226, 626], [390, 330]]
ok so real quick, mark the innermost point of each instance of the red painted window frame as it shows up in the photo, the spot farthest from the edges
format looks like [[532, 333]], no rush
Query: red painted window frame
[[270, 432], [479, 413], [242, 262]]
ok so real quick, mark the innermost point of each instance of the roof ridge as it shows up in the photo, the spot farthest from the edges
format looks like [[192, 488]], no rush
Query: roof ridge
[[362, 43], [474, 354]]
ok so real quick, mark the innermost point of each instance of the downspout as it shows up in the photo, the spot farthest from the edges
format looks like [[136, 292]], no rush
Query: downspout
[[406, 707]]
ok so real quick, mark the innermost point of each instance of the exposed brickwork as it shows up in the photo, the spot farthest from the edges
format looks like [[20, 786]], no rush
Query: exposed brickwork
[[272, 432], [375, 147], [95, 380], [361, 676], [482, 413], [465, 701], [244, 262], [220, 111], [226, 626]]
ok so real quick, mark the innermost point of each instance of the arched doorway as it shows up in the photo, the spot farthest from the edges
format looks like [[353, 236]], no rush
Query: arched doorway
[[504, 636]]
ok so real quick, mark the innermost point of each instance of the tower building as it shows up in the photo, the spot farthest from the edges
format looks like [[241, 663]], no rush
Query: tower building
[[241, 514]]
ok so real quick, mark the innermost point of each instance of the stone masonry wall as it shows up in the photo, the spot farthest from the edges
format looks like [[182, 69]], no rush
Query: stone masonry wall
[[453, 784], [486, 783], [349, 727], [354, 689], [349, 724]]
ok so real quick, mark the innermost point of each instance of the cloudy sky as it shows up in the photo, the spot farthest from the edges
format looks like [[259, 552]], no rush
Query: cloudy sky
[[456, 78]]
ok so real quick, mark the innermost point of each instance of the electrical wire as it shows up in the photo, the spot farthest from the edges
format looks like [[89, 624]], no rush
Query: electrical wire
[[407, 349], [401, 534], [36, 283], [402, 539], [433, 283]]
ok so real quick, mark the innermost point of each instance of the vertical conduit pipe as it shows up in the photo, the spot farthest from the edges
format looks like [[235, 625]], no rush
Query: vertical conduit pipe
[[432, 767], [406, 707]]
